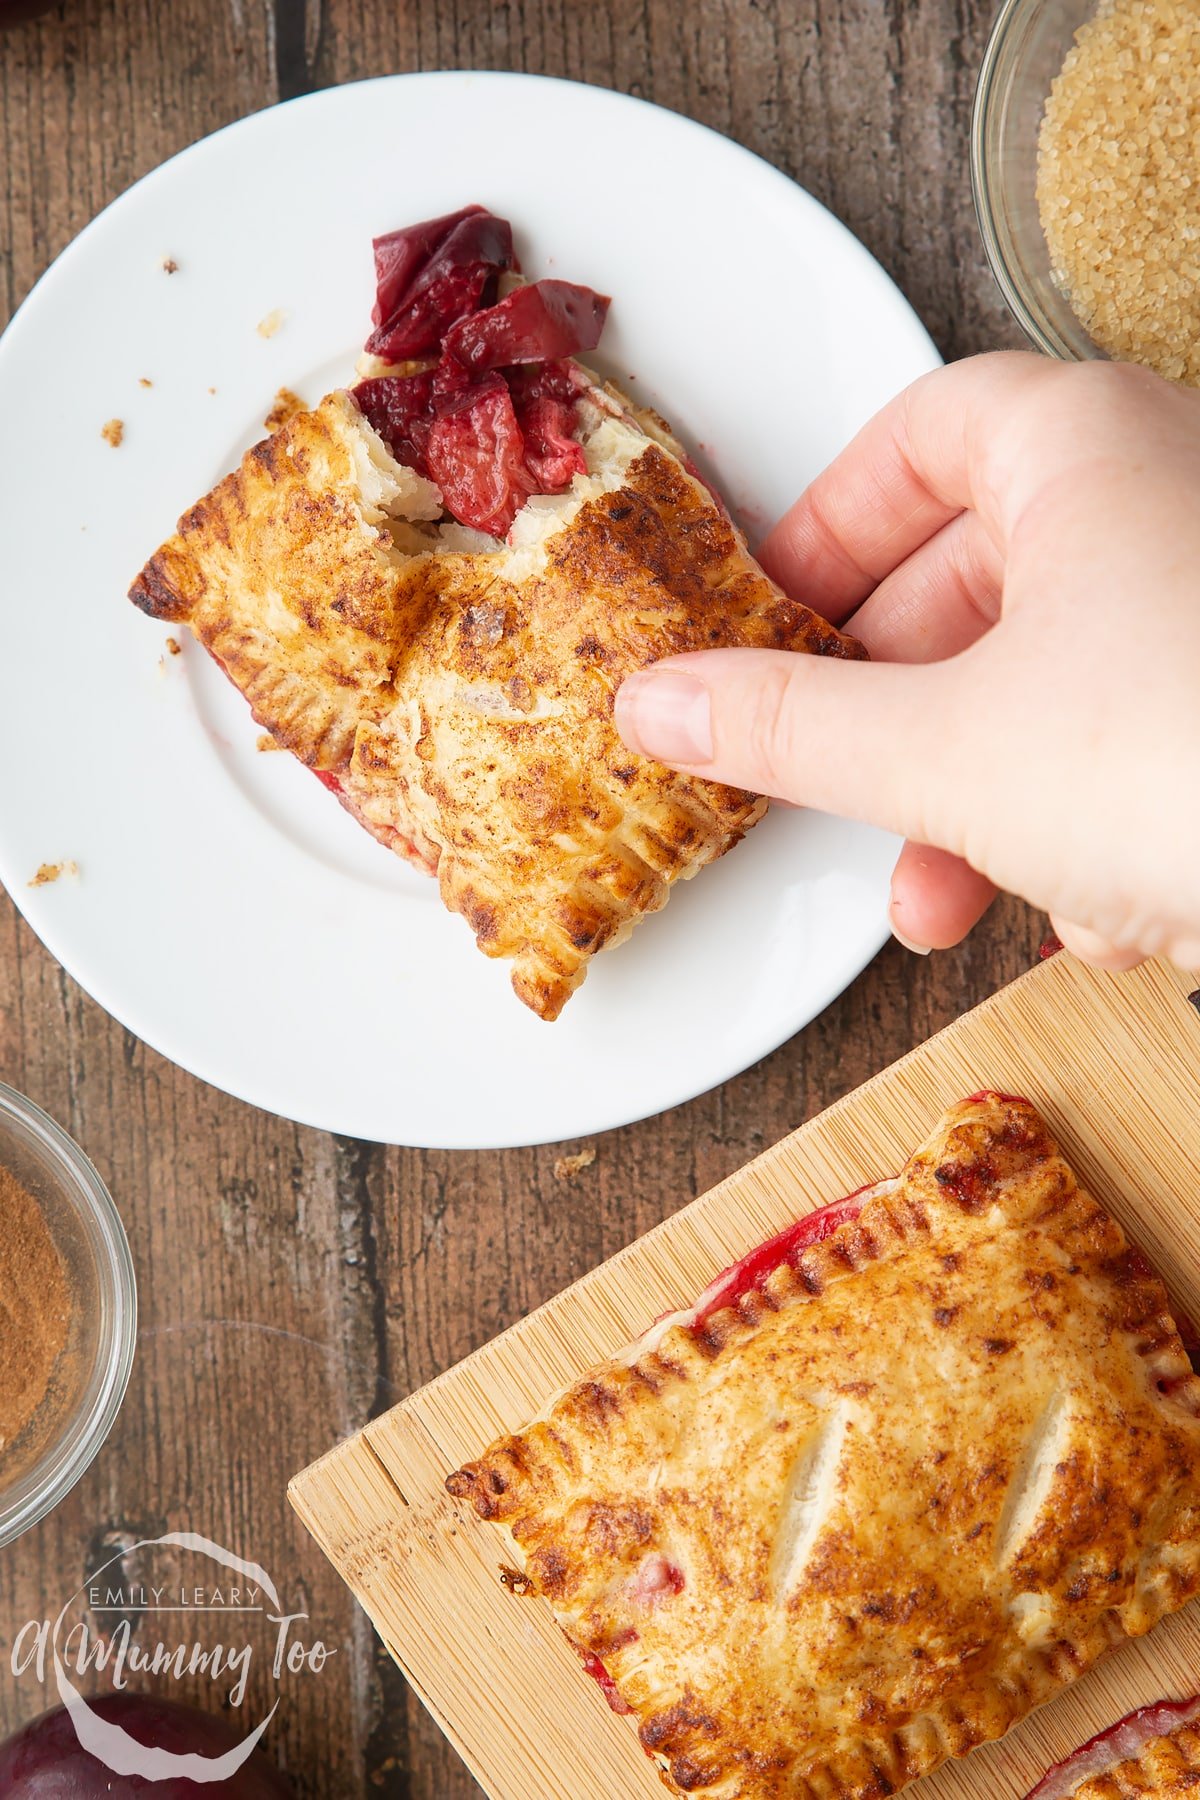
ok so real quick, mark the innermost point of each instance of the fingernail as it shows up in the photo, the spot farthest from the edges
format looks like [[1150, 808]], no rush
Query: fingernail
[[665, 713], [917, 949]]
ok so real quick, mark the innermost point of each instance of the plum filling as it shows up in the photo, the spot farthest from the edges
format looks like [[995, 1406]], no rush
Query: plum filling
[[595, 1668], [431, 275], [400, 407], [386, 834], [657, 1579], [492, 417], [1120, 1743], [540, 323], [753, 1270]]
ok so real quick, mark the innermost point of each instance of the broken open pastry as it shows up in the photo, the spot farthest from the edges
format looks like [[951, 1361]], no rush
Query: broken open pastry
[[892, 1481], [430, 587]]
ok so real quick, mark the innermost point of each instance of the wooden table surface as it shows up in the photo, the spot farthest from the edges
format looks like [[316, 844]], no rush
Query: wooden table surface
[[293, 1283]]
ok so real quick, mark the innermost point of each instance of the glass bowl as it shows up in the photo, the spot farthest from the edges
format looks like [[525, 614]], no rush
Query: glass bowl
[[88, 1382], [1027, 47]]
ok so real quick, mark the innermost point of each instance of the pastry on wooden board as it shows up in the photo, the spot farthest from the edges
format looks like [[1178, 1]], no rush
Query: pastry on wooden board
[[895, 1480], [1154, 1754]]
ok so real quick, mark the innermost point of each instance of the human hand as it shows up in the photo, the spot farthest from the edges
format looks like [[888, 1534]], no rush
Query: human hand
[[1017, 543]]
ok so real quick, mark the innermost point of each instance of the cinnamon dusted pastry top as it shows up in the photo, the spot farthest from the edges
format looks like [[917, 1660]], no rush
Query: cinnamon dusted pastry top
[[878, 1495], [456, 692]]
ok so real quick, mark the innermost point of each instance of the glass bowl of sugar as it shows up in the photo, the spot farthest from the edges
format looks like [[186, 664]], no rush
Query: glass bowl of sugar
[[1085, 162]]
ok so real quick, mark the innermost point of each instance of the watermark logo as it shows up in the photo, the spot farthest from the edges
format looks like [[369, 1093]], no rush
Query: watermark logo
[[131, 1641]]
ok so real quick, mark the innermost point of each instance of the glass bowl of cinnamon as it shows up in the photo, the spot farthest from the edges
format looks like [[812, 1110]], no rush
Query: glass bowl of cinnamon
[[68, 1313]]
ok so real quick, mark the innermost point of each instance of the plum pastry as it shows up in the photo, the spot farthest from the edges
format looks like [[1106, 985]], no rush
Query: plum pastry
[[430, 586], [894, 1479], [1154, 1754]]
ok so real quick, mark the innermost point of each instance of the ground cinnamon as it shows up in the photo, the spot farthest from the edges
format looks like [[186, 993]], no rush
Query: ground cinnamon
[[35, 1307]]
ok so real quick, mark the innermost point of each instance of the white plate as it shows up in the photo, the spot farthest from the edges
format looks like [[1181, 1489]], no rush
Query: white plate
[[226, 909]]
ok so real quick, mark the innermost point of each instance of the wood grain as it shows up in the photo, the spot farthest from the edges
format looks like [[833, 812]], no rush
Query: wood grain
[[1112, 1065], [399, 1262]]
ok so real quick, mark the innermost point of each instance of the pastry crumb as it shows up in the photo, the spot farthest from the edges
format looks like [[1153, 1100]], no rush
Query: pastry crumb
[[48, 872], [168, 265], [568, 1167], [266, 742], [113, 432], [285, 406], [212, 390], [514, 1581], [174, 647], [145, 381], [267, 327]]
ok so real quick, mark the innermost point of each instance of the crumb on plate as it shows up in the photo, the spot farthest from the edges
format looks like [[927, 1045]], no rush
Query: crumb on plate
[[174, 647], [285, 406], [48, 872], [568, 1167], [113, 432], [168, 265], [145, 381], [267, 327], [367, 367]]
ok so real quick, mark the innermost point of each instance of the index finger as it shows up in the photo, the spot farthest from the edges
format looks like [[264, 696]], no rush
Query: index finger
[[915, 466]]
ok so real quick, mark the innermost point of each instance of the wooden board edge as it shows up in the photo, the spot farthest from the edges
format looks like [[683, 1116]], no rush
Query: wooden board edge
[[392, 1572], [404, 1442], [712, 1195], [1059, 968], [301, 1492]]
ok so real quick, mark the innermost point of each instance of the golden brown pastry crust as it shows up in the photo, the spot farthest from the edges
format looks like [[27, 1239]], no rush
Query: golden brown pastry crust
[[283, 573], [1167, 1769], [463, 699], [866, 1519]]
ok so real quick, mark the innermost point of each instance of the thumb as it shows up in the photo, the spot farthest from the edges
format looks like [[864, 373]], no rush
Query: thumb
[[871, 741]]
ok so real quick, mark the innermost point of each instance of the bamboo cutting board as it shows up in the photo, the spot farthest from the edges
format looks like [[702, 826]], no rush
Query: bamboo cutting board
[[1113, 1063]]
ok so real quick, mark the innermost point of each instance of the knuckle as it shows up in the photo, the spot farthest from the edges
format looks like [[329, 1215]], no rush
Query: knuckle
[[1112, 389], [773, 728]]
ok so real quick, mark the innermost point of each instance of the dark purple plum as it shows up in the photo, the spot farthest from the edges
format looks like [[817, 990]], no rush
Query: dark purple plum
[[45, 1760], [13, 12]]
